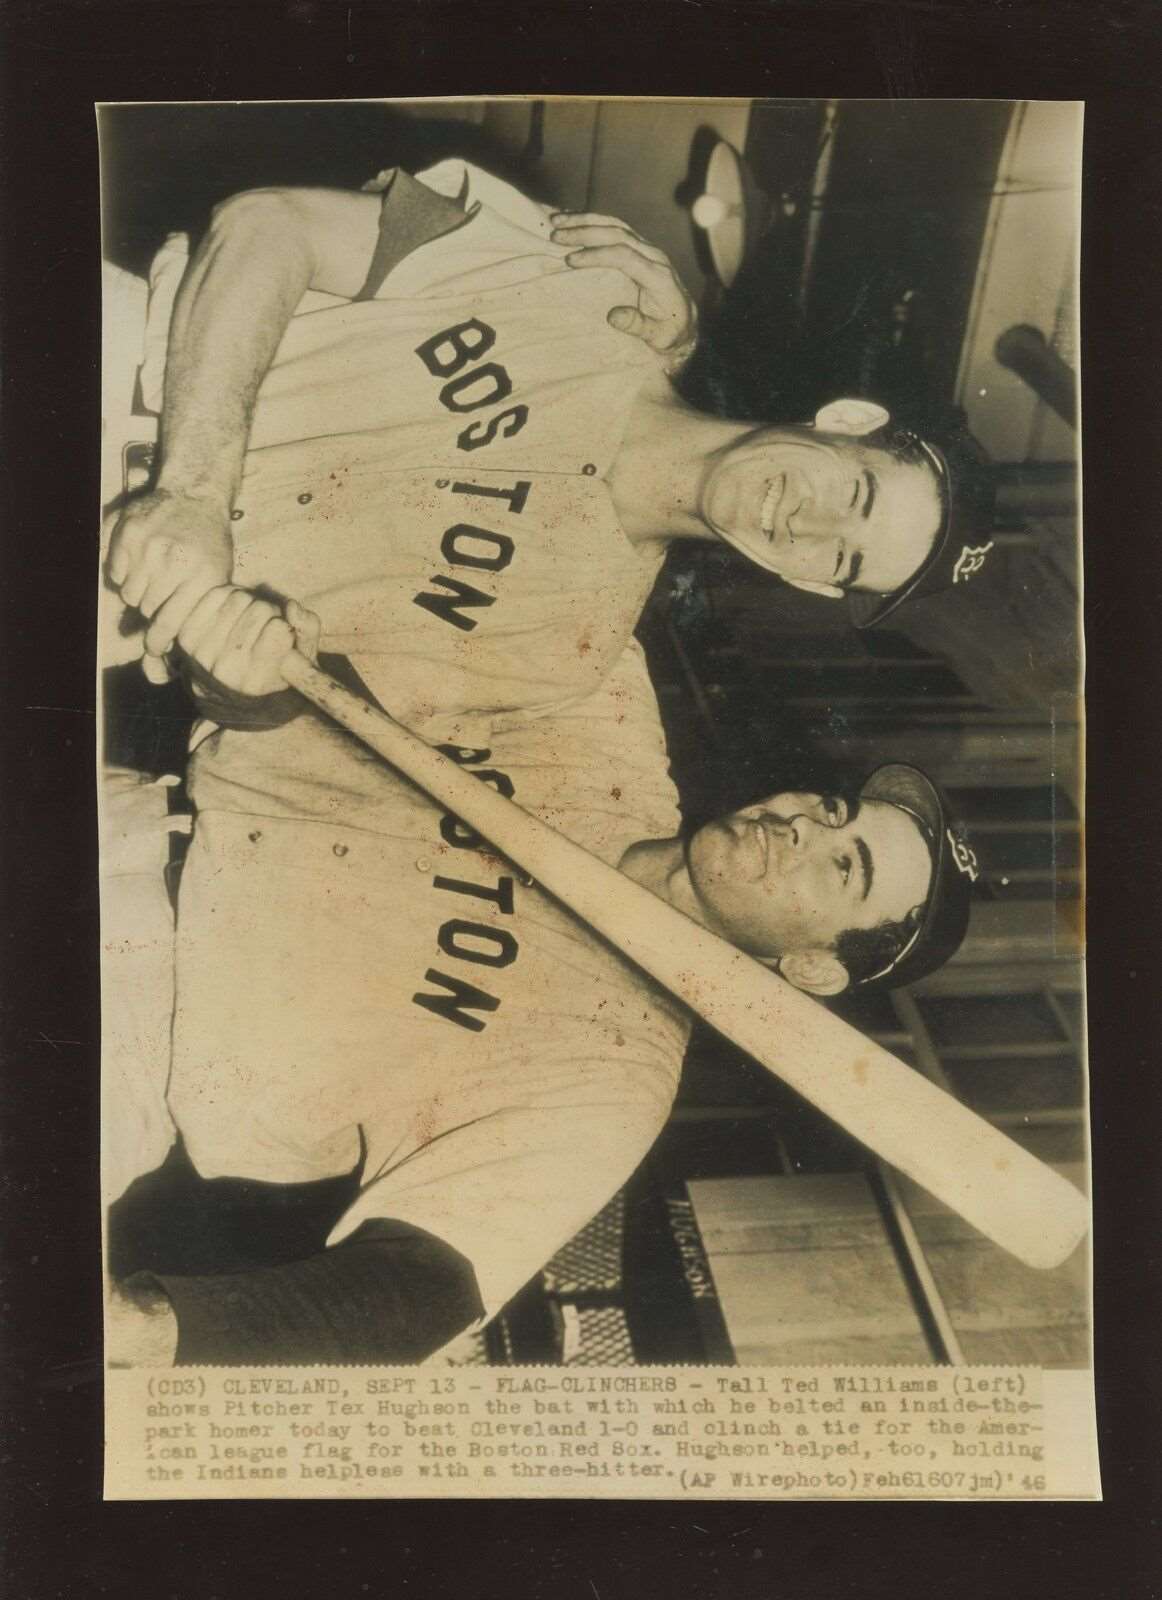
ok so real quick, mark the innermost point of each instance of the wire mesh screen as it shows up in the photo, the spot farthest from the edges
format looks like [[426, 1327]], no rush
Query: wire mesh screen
[[591, 1262]]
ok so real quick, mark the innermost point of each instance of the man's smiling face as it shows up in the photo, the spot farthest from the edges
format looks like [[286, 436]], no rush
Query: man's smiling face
[[795, 871], [823, 508]]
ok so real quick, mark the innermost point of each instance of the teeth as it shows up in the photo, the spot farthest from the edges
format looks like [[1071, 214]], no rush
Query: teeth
[[764, 844], [770, 501]]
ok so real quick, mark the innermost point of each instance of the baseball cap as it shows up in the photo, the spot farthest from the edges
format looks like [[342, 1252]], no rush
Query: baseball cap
[[961, 546], [943, 922]]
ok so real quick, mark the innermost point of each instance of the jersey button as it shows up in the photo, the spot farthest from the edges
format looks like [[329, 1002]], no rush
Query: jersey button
[[255, 836], [236, 515], [305, 499], [339, 849], [423, 865], [589, 469]]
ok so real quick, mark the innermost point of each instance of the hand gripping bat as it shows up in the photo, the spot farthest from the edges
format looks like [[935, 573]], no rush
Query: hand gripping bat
[[1016, 1200]]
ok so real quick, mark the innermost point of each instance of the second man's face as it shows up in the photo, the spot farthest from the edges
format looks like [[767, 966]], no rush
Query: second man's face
[[822, 508], [797, 870]]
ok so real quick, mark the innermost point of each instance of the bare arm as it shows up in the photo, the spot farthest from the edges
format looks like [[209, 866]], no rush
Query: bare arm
[[263, 251]]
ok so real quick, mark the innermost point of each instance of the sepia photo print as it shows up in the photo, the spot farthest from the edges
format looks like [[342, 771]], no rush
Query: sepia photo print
[[591, 800]]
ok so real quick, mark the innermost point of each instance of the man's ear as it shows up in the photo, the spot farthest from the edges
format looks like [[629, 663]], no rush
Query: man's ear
[[855, 417], [828, 590], [814, 971]]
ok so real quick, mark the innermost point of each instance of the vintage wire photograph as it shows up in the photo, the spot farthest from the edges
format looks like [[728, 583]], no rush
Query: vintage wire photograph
[[591, 799]]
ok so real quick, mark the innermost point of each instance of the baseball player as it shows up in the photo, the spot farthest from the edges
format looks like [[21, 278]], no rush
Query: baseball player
[[362, 392], [404, 1077]]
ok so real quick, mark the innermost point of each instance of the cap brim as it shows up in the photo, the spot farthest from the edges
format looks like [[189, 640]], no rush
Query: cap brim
[[914, 792], [908, 787]]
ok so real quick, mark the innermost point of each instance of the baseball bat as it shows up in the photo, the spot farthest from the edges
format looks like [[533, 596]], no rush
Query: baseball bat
[[1014, 1199]]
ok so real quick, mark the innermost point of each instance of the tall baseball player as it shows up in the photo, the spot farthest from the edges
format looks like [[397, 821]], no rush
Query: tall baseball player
[[404, 1077], [362, 393]]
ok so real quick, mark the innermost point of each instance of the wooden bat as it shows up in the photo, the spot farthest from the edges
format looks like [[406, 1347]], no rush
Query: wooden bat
[[1016, 1200]]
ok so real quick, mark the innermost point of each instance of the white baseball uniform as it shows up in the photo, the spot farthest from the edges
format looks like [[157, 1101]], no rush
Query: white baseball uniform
[[396, 992], [355, 975], [427, 471]]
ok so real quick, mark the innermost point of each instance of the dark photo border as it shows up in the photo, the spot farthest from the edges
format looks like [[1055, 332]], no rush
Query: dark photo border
[[59, 57]]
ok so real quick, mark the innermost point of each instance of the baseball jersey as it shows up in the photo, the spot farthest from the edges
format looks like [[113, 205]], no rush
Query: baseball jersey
[[357, 976], [427, 470], [399, 994]]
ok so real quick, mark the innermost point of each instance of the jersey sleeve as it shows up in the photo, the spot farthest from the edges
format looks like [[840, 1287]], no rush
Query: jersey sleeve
[[508, 1190]]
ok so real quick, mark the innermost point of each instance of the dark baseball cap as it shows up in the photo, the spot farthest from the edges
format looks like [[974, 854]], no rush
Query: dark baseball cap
[[962, 543], [941, 925]]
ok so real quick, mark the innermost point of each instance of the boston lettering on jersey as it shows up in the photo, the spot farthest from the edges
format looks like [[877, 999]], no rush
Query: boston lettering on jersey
[[461, 937], [466, 545], [455, 354]]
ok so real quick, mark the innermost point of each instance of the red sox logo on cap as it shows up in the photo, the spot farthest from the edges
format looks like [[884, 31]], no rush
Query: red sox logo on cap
[[970, 560], [964, 856]]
